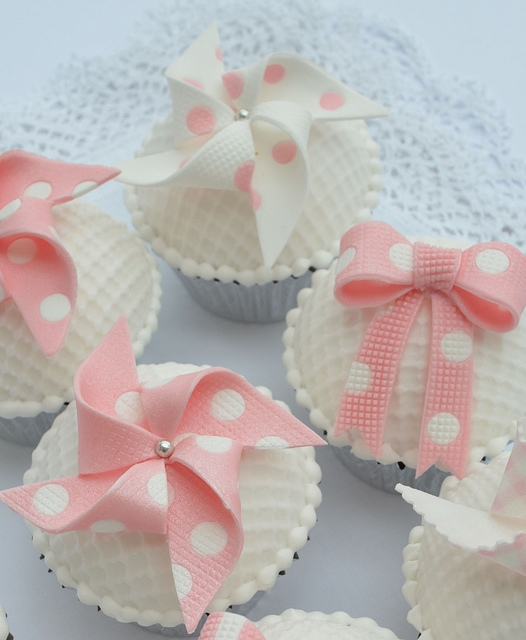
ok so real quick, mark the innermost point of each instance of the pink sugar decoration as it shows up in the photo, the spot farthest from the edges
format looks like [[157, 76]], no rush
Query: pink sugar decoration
[[234, 83], [243, 176], [200, 120], [331, 101], [274, 73], [255, 199], [218, 53], [195, 83], [284, 152]]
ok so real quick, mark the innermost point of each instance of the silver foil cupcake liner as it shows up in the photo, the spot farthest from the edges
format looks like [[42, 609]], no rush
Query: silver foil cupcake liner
[[258, 303], [386, 476], [27, 431]]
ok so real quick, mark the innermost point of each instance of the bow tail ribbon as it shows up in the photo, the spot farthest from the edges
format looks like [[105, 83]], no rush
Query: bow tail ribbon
[[222, 625], [446, 422]]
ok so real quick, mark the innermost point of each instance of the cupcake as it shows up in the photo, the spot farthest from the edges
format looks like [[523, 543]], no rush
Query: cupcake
[[68, 272], [246, 187], [465, 567], [294, 624], [166, 491], [412, 355]]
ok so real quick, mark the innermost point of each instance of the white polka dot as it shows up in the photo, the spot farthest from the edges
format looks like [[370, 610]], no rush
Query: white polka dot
[[214, 444], [9, 209], [54, 233], [271, 442], [443, 428], [160, 491], [128, 406], [40, 190], [108, 526], [22, 251], [492, 261], [401, 255], [51, 499], [83, 187], [456, 346], [345, 259], [182, 580], [359, 378], [208, 538], [55, 307], [227, 404]]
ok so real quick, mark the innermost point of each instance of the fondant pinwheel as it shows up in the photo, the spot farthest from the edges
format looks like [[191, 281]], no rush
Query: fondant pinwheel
[[498, 534], [162, 459], [36, 271], [229, 626], [247, 130], [483, 286]]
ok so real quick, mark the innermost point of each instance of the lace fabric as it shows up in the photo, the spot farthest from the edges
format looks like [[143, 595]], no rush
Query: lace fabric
[[448, 169]]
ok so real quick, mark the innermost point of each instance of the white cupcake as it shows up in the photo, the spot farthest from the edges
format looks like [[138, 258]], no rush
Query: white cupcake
[[102, 269], [294, 624], [243, 503], [4, 627], [247, 186], [465, 566], [322, 342]]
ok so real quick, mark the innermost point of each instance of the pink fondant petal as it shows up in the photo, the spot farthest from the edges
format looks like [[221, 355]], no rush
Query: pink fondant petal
[[222, 625]]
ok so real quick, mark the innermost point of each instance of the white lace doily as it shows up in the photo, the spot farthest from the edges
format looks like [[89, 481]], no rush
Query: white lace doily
[[447, 165]]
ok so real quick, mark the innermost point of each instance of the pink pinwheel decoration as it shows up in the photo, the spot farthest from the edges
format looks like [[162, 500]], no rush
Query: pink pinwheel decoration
[[483, 286], [229, 626], [247, 130], [35, 269], [171, 467], [499, 534]]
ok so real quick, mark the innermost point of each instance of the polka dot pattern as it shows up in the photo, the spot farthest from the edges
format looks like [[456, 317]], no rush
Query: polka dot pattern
[[40, 190], [243, 176], [274, 73], [456, 346], [214, 444], [227, 405], [55, 307], [208, 538], [255, 199], [195, 83], [443, 428], [108, 526], [271, 442], [9, 209], [51, 500], [492, 261], [21, 251], [160, 491], [128, 407], [359, 378], [331, 101], [234, 84], [345, 259], [284, 152], [401, 255], [182, 580], [200, 120]]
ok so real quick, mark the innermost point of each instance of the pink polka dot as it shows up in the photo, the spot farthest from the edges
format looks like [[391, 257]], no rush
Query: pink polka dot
[[183, 162], [234, 83], [284, 152], [274, 73], [219, 55], [195, 83], [331, 101], [243, 176], [255, 199], [200, 120]]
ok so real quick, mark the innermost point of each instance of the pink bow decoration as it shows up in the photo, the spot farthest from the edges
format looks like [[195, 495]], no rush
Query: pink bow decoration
[[499, 534], [483, 286], [36, 271], [247, 130], [229, 626], [162, 459]]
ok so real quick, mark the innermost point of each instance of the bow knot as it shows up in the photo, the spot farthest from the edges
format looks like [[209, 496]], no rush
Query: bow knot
[[435, 267], [483, 286]]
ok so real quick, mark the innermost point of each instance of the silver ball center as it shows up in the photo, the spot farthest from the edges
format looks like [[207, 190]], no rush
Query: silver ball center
[[164, 448], [242, 114]]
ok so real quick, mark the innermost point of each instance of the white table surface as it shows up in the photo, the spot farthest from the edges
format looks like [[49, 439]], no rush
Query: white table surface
[[353, 559]]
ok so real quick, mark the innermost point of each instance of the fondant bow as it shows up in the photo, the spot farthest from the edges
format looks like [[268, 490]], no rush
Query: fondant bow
[[229, 626], [483, 286], [247, 130], [35, 268], [498, 534], [162, 459]]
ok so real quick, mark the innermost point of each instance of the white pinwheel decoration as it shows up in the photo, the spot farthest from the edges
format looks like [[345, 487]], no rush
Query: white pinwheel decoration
[[247, 130]]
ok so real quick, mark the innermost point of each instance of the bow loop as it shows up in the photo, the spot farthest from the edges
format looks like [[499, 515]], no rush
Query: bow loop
[[483, 285]]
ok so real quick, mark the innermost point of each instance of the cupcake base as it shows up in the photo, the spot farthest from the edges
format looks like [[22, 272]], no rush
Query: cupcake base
[[28, 431], [268, 302], [386, 476]]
